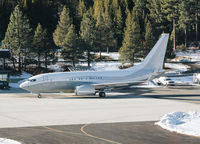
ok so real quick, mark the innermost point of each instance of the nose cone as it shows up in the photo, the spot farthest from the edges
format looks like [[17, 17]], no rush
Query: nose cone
[[24, 85]]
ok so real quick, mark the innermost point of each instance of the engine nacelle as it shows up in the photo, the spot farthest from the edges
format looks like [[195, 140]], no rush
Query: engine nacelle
[[84, 90]]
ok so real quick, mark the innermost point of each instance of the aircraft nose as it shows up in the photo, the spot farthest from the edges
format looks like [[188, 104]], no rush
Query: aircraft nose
[[24, 85]]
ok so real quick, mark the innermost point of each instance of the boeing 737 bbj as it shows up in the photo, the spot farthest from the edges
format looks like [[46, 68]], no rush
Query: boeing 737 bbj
[[91, 82]]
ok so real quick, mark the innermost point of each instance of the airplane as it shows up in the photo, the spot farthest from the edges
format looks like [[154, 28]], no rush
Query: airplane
[[92, 82]]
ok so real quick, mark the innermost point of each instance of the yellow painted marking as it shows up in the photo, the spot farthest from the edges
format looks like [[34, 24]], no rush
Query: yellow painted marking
[[65, 132], [60, 131], [46, 127], [99, 138]]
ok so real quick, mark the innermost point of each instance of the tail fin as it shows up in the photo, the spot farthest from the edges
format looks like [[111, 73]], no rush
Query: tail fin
[[154, 60]]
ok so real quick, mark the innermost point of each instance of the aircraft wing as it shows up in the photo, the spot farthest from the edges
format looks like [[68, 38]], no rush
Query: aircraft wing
[[127, 84], [116, 85]]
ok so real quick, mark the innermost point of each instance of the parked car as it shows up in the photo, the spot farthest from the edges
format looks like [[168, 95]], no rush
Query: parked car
[[165, 81], [184, 60], [196, 78]]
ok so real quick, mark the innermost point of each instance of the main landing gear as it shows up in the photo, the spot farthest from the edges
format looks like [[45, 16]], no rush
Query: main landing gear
[[102, 94]]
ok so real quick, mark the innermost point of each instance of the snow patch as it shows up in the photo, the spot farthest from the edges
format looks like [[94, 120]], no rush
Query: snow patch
[[23, 77], [56, 67], [181, 122], [149, 84], [190, 55], [105, 66], [181, 80], [112, 55], [180, 67], [16, 85], [8, 141]]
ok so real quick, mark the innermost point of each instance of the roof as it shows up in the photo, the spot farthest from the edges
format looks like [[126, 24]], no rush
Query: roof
[[4, 53], [4, 50]]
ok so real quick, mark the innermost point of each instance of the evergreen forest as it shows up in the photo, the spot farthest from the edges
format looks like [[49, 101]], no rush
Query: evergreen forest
[[37, 29]]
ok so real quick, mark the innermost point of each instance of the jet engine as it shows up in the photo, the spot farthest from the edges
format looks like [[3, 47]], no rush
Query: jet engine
[[84, 90]]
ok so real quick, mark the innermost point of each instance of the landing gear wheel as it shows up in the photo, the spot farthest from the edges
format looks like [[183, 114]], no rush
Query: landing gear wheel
[[102, 94], [39, 96]]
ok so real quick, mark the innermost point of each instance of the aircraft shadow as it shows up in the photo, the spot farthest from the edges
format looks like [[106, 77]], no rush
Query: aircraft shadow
[[192, 97], [131, 93], [117, 94], [13, 90]]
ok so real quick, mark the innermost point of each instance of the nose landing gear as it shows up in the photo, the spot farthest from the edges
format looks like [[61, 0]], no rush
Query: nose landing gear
[[39, 95]]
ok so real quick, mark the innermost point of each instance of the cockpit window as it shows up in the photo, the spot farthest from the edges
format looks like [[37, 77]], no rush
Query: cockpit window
[[32, 80]]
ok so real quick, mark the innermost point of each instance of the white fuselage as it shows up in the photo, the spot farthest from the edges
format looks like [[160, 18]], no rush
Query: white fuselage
[[64, 81]]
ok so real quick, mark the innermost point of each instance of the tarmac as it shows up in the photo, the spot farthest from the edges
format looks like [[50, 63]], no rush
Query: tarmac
[[124, 116]]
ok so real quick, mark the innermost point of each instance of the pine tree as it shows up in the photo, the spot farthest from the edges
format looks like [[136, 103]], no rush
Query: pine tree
[[119, 22], [131, 45], [107, 14], [185, 17], [114, 5], [18, 36], [113, 18], [71, 47], [40, 42], [87, 34], [104, 39], [127, 51], [110, 42], [126, 4], [98, 10], [138, 34], [156, 16], [149, 38], [81, 9], [118, 27], [140, 8], [99, 35], [104, 26], [62, 27], [197, 20], [171, 10], [195, 15], [170, 52]]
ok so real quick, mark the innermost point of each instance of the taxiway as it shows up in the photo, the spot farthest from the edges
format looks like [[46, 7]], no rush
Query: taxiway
[[125, 116]]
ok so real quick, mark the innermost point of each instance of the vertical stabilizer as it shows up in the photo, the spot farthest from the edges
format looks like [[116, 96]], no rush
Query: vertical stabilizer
[[155, 59]]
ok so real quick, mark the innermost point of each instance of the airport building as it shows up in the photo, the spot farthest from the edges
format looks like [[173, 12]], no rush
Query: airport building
[[4, 73]]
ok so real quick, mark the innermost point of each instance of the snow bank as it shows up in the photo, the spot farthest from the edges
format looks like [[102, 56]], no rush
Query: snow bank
[[181, 122], [8, 141]]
